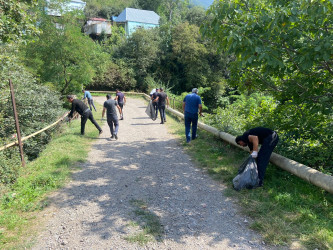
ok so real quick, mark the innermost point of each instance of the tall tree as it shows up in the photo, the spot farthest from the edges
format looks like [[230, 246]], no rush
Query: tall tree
[[63, 55], [149, 4], [141, 51], [284, 48], [16, 19]]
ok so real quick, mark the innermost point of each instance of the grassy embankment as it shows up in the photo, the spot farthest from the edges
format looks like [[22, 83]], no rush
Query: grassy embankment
[[22, 202], [286, 211]]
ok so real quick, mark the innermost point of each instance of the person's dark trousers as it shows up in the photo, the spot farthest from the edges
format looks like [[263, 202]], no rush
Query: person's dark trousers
[[191, 118], [113, 121], [88, 115], [264, 154], [162, 113], [91, 103], [121, 105], [155, 108]]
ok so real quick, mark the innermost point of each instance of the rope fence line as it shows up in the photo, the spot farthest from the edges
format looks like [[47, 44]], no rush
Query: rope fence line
[[34, 134]]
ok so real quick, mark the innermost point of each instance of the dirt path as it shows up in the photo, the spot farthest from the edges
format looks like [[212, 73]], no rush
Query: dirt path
[[143, 177]]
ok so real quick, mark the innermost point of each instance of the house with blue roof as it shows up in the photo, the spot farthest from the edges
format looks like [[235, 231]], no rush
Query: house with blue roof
[[133, 19]]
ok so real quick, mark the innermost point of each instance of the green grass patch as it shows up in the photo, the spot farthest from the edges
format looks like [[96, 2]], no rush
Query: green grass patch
[[21, 201], [149, 224], [286, 210]]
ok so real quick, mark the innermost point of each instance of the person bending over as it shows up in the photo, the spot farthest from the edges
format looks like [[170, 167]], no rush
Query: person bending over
[[84, 111], [268, 140]]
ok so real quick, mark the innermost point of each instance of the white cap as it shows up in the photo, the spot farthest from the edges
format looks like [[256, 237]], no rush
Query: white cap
[[195, 90]]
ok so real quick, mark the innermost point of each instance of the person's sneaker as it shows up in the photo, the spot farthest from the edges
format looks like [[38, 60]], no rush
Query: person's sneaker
[[112, 136], [164, 120], [101, 131], [116, 137], [122, 118], [161, 122]]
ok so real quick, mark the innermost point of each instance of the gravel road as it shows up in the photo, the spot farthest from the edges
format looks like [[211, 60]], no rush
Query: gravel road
[[143, 177]]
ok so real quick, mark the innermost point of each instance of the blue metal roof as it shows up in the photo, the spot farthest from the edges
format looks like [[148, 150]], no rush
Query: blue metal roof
[[136, 15]]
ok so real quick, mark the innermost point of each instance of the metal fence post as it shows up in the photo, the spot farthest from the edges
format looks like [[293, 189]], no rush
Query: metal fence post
[[173, 103], [16, 122]]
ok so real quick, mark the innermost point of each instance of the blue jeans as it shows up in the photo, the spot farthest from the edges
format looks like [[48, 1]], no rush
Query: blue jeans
[[91, 103], [191, 118]]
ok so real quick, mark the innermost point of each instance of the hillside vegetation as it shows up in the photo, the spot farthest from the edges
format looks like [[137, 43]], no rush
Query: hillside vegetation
[[256, 63]]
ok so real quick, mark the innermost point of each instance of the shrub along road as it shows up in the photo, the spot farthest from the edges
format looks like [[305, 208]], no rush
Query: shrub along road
[[142, 191]]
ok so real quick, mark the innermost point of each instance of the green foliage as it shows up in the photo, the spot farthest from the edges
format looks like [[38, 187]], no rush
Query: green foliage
[[37, 107], [149, 4], [117, 76], [243, 112], [9, 165], [196, 15], [17, 20], [173, 11], [107, 8], [64, 56], [284, 48], [141, 52]]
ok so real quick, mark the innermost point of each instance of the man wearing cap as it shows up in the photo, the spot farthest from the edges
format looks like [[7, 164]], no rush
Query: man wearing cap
[[84, 111], [89, 97], [191, 105], [268, 140], [162, 99], [111, 115], [153, 98]]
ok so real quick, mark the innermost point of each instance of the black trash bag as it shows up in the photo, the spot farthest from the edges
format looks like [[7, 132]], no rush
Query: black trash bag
[[150, 111], [247, 175]]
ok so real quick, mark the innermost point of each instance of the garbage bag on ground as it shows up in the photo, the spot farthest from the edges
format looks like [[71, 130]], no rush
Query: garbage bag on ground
[[150, 111], [247, 176]]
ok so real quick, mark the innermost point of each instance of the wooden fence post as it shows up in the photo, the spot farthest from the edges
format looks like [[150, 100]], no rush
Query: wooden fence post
[[16, 122]]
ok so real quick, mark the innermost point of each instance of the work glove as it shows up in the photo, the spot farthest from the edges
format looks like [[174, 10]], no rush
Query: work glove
[[254, 154]]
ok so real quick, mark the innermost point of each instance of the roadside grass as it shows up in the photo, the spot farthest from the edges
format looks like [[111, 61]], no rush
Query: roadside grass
[[286, 211], [24, 199], [148, 222]]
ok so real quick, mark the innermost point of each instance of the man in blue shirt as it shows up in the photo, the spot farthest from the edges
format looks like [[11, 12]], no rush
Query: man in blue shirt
[[89, 97], [191, 105]]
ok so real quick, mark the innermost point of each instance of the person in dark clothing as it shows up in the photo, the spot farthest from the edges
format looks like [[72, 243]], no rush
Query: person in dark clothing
[[162, 99], [191, 105], [268, 140], [111, 115], [155, 105], [84, 111], [121, 99]]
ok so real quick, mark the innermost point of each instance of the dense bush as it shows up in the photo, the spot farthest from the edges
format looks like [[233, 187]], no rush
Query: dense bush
[[37, 107], [247, 111], [116, 76]]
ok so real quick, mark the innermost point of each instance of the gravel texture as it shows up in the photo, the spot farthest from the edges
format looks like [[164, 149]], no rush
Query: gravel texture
[[147, 166]]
